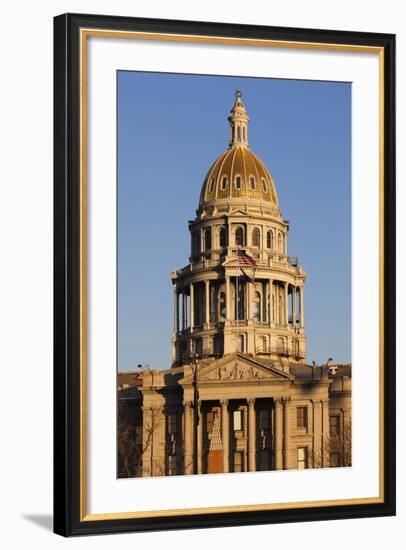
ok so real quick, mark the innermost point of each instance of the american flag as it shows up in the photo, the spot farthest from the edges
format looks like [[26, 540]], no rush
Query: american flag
[[245, 260]]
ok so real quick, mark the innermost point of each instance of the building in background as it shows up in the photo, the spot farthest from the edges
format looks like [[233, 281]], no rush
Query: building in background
[[239, 395]]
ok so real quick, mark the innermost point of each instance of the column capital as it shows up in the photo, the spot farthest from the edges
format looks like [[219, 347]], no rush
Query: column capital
[[224, 402], [278, 400], [187, 403], [251, 401]]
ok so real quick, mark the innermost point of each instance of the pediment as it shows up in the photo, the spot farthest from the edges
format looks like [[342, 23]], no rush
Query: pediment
[[238, 212], [238, 368]]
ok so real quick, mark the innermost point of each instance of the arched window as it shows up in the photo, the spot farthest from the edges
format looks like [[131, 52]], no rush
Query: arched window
[[264, 185], [211, 185], [238, 182], [224, 183], [252, 182], [239, 133], [243, 132], [256, 237], [207, 239], [223, 237], [241, 343], [239, 236], [269, 239], [256, 309], [222, 306]]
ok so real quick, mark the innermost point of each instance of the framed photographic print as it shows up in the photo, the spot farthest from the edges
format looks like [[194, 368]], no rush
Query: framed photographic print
[[224, 274]]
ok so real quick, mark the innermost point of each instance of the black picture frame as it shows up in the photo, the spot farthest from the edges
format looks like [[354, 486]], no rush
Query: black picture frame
[[67, 355]]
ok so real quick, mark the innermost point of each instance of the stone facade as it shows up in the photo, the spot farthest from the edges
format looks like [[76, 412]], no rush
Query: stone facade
[[239, 395]]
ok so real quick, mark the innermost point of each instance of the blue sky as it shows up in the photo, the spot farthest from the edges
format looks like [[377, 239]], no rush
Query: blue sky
[[170, 130]]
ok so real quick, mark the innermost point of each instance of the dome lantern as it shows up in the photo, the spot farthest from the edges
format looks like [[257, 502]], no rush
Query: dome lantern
[[238, 120]]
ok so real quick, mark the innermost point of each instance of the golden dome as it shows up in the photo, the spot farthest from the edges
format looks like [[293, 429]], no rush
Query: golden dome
[[238, 173]]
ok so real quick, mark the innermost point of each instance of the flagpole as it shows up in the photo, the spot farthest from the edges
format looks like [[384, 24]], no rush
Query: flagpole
[[236, 305]]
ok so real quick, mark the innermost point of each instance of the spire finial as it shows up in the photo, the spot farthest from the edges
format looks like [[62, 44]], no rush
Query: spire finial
[[238, 120]]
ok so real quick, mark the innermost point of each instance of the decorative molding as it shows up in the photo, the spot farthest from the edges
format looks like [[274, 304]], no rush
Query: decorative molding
[[235, 372]]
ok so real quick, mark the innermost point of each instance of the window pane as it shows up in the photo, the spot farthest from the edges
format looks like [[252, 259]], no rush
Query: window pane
[[255, 238], [239, 237], [222, 237], [302, 458], [302, 417]]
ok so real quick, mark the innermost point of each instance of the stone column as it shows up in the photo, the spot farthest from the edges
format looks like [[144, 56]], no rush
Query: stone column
[[192, 308], [228, 298], [317, 424], [175, 310], [294, 306], [247, 289], [251, 435], [271, 320], [188, 437], [301, 297], [200, 440], [225, 434], [278, 434], [184, 309], [287, 433], [286, 303], [207, 300], [325, 433]]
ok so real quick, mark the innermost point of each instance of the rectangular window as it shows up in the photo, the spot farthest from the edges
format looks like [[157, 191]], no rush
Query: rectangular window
[[335, 426], [238, 461], [301, 417], [237, 421], [172, 424], [302, 462], [252, 182], [238, 182]]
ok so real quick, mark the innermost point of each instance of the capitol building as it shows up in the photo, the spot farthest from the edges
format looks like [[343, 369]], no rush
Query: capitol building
[[239, 395]]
